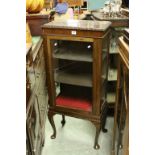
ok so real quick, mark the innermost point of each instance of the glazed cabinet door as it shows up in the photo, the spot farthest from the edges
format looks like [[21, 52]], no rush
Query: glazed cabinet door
[[71, 71]]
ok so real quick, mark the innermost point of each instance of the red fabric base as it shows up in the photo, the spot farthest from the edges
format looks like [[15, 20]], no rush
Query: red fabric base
[[74, 103]]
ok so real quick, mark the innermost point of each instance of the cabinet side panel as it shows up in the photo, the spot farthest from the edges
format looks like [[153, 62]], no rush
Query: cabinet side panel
[[49, 71], [97, 75]]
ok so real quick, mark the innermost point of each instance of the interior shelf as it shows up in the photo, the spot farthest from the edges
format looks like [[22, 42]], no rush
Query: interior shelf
[[111, 97], [73, 51], [112, 74], [76, 54], [76, 75], [103, 76], [114, 50], [104, 50], [72, 98], [74, 78]]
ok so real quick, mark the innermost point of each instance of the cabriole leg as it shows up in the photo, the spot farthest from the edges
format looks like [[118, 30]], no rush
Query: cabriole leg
[[51, 120], [98, 128], [63, 120], [104, 116]]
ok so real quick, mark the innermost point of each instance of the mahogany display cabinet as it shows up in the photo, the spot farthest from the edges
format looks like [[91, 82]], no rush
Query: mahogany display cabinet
[[119, 24], [120, 145], [76, 56]]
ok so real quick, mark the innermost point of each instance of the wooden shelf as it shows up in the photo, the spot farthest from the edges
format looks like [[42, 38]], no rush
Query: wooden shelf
[[111, 97], [104, 50], [114, 50], [74, 102], [79, 79], [74, 76], [73, 50], [103, 76], [73, 54], [112, 74], [71, 97]]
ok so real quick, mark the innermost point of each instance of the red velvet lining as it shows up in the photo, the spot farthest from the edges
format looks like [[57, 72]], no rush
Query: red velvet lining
[[74, 102]]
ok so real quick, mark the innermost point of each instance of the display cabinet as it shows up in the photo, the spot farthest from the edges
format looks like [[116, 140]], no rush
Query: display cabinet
[[76, 56], [36, 97], [121, 117], [36, 20], [119, 24], [112, 70]]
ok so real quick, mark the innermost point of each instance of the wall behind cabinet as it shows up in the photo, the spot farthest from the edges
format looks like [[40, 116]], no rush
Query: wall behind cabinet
[[95, 4]]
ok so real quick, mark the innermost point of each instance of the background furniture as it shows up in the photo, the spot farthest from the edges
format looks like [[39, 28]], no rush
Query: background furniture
[[117, 28], [73, 3], [36, 96], [76, 55], [121, 118], [36, 20]]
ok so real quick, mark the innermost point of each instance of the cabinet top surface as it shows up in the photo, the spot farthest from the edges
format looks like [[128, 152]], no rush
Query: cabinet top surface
[[42, 14], [79, 25]]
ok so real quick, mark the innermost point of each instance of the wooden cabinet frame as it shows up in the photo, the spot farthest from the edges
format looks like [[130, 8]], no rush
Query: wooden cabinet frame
[[96, 37]]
